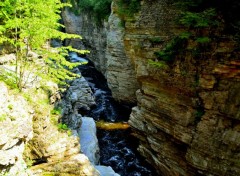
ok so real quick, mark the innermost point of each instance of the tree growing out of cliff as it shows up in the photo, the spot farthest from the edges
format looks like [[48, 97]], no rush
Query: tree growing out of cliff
[[27, 26]]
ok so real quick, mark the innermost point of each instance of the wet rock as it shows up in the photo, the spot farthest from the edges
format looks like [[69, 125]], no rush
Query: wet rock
[[105, 42], [106, 171], [88, 140]]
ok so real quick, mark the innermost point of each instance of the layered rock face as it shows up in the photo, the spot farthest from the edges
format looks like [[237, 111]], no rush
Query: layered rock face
[[93, 36], [120, 73], [105, 43], [187, 118]]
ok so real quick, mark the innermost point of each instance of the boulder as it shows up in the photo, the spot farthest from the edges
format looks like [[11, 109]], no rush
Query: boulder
[[88, 140]]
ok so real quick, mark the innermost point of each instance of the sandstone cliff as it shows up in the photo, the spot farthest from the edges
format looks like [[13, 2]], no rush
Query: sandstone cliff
[[187, 117], [105, 43]]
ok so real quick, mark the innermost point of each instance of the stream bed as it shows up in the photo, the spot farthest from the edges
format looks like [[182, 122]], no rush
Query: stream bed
[[118, 148]]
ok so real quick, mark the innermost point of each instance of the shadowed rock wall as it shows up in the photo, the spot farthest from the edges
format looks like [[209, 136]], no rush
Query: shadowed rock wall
[[187, 117], [105, 43]]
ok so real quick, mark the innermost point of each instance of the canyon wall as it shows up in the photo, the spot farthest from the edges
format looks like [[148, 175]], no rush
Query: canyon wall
[[105, 43], [93, 36], [29, 135], [187, 118], [187, 115]]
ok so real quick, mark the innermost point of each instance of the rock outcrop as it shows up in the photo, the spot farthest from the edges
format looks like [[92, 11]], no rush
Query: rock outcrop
[[75, 104], [120, 74], [187, 117], [16, 130], [88, 140], [30, 135], [93, 36], [105, 43], [89, 146]]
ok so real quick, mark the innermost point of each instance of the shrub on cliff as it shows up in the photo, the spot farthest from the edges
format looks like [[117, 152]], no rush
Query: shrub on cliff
[[100, 9], [27, 26]]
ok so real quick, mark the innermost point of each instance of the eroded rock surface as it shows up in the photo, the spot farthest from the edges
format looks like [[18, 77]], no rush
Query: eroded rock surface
[[29, 134], [187, 116], [107, 52], [120, 74], [16, 130], [88, 140]]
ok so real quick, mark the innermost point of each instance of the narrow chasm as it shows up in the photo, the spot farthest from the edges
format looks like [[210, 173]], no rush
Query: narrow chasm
[[118, 148]]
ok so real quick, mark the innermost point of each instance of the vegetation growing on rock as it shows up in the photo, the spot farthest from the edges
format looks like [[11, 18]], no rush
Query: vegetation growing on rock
[[27, 27], [201, 23]]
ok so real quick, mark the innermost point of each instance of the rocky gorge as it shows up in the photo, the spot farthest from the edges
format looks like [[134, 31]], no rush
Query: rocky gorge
[[187, 114], [185, 108], [34, 141]]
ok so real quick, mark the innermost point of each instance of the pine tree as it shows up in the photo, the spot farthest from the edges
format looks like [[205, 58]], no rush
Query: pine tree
[[27, 25]]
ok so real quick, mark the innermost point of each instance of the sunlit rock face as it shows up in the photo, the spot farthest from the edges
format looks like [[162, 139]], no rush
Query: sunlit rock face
[[120, 73], [107, 52], [93, 36], [187, 117], [29, 133], [16, 130]]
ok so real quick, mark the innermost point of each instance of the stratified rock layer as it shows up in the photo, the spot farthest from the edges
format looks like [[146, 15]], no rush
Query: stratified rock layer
[[120, 73], [187, 117], [105, 43]]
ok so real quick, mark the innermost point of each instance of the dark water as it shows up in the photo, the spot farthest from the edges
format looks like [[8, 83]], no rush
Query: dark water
[[117, 147]]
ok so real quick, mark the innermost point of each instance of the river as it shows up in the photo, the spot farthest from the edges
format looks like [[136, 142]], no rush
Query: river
[[118, 148]]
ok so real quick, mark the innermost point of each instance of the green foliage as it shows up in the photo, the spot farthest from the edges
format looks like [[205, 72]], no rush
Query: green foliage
[[27, 26], [199, 114], [56, 111], [74, 6], [158, 64], [8, 77], [100, 9], [169, 52], [3, 117], [128, 7], [62, 126], [185, 35], [10, 107], [156, 40], [29, 162], [202, 19], [198, 20], [165, 55], [203, 40]]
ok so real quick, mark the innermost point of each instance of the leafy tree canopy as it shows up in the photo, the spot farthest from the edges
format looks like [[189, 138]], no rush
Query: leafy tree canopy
[[27, 25]]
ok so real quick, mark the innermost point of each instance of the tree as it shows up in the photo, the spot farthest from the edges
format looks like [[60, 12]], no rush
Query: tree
[[27, 25]]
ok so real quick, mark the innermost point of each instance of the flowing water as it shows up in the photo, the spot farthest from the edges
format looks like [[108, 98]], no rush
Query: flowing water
[[117, 147]]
